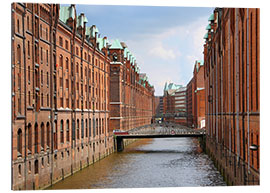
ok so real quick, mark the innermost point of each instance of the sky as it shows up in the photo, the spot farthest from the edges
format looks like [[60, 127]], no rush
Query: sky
[[166, 41]]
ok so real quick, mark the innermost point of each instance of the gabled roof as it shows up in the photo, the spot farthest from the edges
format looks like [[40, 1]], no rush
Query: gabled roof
[[197, 64], [205, 36], [126, 52], [66, 13], [102, 42], [91, 31], [211, 18], [81, 19], [116, 45], [171, 86]]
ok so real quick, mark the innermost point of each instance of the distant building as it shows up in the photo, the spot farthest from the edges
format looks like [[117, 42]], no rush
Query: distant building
[[131, 94], [159, 106], [196, 97], [174, 101]]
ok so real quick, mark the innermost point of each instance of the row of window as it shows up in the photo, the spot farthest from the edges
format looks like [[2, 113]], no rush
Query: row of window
[[42, 136], [86, 57], [41, 32]]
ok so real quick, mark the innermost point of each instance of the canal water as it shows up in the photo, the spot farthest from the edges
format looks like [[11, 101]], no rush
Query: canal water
[[149, 163]]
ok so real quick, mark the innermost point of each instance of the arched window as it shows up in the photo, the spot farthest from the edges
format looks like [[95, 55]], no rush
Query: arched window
[[36, 138], [67, 64], [78, 128], [36, 166], [67, 130], [55, 135], [29, 137], [82, 129], [48, 134], [89, 127], [20, 170], [86, 130], [61, 61], [19, 142], [42, 135], [62, 131], [96, 128]]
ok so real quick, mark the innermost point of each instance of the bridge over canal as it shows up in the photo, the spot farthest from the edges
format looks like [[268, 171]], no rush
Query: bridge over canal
[[157, 131]]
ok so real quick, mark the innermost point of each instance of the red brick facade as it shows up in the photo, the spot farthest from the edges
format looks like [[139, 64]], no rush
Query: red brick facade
[[131, 97], [232, 87], [61, 75], [174, 101], [196, 97]]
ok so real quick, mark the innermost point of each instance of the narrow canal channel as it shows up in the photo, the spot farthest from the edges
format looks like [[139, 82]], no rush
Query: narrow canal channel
[[167, 162]]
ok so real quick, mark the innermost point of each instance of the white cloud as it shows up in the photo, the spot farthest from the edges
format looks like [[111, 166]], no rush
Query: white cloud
[[170, 55], [160, 51]]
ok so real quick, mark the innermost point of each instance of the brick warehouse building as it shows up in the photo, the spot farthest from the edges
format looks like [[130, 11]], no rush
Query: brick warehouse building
[[132, 96], [196, 97], [232, 87], [61, 95], [174, 101], [159, 106]]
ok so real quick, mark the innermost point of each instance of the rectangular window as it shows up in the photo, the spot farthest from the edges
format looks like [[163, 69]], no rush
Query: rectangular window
[[67, 102], [61, 102], [28, 48], [67, 83], [47, 57], [61, 82], [60, 41], [66, 44], [41, 55]]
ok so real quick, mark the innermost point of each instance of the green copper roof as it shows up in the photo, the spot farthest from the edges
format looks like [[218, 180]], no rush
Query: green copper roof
[[128, 55], [205, 36], [211, 18], [66, 13], [126, 52], [171, 86], [81, 19], [101, 43], [87, 31], [132, 60], [208, 27], [91, 31], [197, 64], [116, 45]]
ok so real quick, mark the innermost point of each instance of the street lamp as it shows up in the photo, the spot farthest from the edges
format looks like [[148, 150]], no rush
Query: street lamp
[[253, 147]]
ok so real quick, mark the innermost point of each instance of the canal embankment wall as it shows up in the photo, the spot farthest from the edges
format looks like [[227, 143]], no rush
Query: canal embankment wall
[[233, 169]]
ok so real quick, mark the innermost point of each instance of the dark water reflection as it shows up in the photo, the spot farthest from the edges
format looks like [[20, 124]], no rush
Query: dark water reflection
[[172, 162]]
